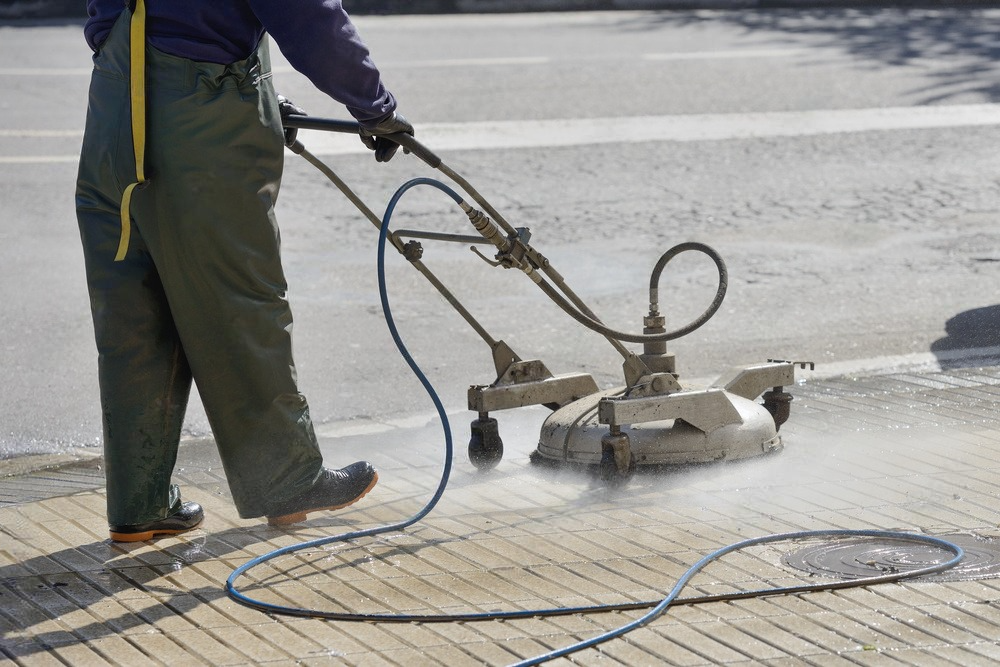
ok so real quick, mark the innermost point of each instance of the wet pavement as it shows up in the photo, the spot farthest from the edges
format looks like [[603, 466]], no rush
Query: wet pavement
[[911, 451]]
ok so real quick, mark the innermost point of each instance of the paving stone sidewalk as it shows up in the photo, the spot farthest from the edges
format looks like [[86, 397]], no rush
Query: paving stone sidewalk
[[911, 452]]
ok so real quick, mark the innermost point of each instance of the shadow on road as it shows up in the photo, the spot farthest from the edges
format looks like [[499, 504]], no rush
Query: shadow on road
[[976, 329]]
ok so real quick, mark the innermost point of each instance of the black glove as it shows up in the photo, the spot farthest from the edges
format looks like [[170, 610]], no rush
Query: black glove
[[286, 108], [383, 147]]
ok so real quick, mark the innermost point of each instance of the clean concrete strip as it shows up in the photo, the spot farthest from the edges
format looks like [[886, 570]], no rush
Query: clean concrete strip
[[918, 362], [921, 362], [493, 135]]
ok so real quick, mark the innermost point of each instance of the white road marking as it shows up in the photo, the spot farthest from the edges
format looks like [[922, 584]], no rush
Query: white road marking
[[516, 61], [734, 53], [40, 133], [492, 135], [45, 71], [466, 62], [38, 159]]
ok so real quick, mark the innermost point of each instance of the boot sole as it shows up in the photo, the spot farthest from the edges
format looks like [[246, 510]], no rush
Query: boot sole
[[298, 517], [149, 534]]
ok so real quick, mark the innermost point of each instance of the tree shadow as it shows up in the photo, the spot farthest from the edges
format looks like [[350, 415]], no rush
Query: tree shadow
[[972, 335], [961, 42]]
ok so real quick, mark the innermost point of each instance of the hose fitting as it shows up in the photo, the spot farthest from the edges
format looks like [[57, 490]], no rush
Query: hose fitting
[[488, 228]]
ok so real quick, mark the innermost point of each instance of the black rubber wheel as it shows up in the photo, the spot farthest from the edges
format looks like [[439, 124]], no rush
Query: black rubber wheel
[[610, 474], [485, 445]]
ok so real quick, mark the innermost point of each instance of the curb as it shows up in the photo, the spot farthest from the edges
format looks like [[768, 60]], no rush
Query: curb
[[76, 9]]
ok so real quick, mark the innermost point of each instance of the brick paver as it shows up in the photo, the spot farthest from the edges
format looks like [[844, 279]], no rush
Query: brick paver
[[910, 451]]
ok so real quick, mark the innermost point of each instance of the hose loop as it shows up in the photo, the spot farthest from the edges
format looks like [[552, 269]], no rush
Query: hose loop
[[720, 294], [599, 327]]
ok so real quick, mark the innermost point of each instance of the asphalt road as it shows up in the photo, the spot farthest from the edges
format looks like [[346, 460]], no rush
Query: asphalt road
[[844, 163]]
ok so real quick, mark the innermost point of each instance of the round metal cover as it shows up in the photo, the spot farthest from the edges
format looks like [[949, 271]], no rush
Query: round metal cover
[[572, 434], [859, 558]]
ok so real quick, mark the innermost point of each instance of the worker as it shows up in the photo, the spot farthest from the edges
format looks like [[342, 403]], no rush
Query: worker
[[179, 173]]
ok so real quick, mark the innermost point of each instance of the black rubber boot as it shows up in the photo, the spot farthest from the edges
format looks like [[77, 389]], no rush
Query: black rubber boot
[[188, 517], [333, 490]]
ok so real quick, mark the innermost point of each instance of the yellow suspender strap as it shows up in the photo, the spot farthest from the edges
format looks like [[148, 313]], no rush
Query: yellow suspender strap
[[137, 89]]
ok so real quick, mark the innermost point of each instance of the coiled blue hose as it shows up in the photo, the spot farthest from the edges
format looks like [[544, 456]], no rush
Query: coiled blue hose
[[657, 607]]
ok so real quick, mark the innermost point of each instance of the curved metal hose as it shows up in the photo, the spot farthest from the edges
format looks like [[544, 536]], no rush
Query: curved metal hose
[[598, 326]]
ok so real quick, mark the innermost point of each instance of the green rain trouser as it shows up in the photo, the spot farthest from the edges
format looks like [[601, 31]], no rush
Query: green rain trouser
[[200, 292]]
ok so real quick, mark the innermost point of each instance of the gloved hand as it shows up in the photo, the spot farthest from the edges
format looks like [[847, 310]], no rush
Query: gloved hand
[[287, 108], [383, 147]]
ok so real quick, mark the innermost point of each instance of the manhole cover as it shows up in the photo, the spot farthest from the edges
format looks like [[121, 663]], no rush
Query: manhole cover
[[859, 558]]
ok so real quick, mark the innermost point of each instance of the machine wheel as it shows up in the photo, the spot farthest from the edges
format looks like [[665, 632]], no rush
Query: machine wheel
[[609, 471], [485, 445]]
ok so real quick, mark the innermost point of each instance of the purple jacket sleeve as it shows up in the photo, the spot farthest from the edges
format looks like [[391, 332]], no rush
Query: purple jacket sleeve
[[321, 42]]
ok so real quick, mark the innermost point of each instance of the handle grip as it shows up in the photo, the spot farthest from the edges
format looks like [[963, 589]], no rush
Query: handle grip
[[353, 127]]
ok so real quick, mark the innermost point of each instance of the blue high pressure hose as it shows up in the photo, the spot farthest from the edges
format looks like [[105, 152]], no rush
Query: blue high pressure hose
[[657, 608]]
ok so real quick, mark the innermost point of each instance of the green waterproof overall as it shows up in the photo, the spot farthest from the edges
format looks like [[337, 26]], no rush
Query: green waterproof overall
[[187, 283]]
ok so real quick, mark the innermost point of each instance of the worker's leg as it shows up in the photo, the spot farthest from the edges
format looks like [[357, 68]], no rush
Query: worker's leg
[[215, 159], [144, 375]]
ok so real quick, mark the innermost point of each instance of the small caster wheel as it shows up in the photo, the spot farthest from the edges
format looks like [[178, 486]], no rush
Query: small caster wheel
[[617, 463], [777, 403], [485, 445], [610, 474]]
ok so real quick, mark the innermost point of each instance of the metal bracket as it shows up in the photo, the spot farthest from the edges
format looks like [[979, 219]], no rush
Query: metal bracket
[[654, 384], [520, 383], [706, 409], [514, 257], [503, 358], [800, 364], [520, 372], [531, 389], [751, 381], [634, 369]]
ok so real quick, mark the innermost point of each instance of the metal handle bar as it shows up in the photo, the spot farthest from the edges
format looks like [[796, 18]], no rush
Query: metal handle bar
[[574, 306], [353, 127]]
